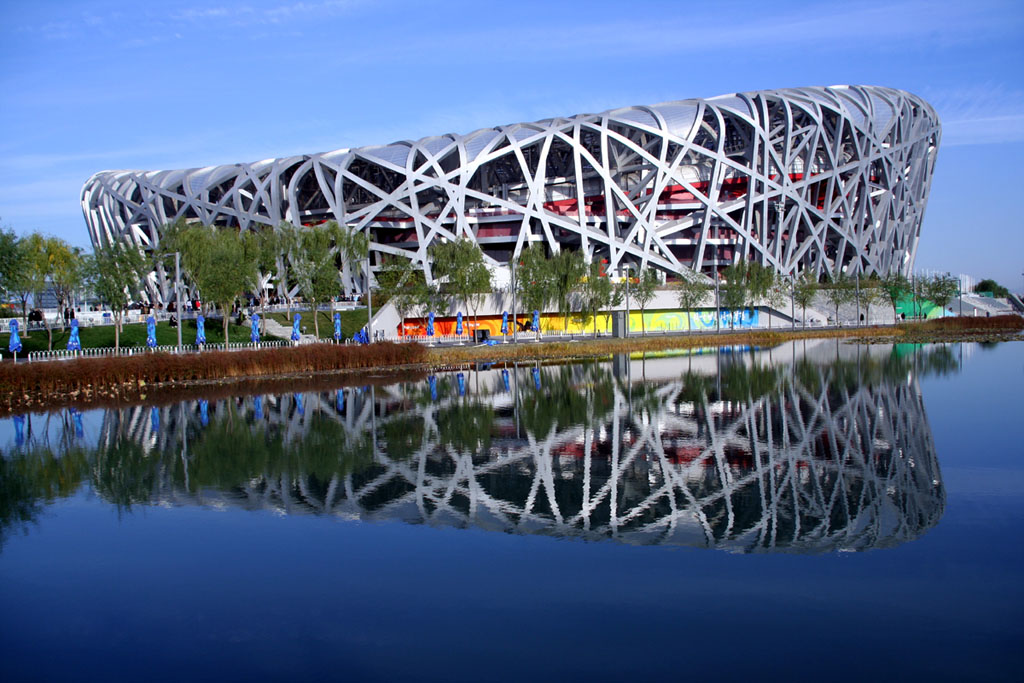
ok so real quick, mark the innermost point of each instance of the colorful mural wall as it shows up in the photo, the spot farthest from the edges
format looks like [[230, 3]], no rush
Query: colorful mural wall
[[654, 321]]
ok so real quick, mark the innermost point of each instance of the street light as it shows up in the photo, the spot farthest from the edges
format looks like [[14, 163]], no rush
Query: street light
[[629, 270]]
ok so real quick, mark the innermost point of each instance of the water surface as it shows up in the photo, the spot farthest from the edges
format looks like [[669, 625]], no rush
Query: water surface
[[816, 509]]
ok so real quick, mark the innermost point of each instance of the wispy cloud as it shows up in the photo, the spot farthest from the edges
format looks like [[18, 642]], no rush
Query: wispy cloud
[[983, 113]]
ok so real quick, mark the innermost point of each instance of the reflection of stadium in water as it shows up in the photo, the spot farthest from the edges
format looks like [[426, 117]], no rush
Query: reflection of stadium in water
[[733, 453]]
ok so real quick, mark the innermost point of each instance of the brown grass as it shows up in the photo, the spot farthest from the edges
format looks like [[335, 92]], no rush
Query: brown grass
[[122, 378]]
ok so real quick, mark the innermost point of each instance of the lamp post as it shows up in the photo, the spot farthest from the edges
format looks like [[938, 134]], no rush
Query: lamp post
[[369, 301], [629, 270], [512, 264], [177, 294]]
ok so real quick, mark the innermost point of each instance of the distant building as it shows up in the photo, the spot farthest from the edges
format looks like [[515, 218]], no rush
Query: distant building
[[821, 179]]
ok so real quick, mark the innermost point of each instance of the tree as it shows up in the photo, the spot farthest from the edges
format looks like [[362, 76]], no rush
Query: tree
[[216, 261], [775, 294], [534, 278], [894, 287], [117, 271], [734, 291], [992, 287], [14, 269], [461, 264], [871, 293], [804, 289], [67, 273], [40, 269], [691, 294], [289, 241], [760, 279], [643, 293], [940, 289], [404, 285], [596, 292], [567, 269], [314, 267], [264, 248], [839, 292]]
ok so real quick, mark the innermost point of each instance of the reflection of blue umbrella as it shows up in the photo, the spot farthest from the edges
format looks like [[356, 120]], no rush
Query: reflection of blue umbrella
[[339, 400], [200, 330], [76, 417], [458, 323], [536, 378], [150, 331], [295, 327], [433, 387], [337, 327], [15, 344], [154, 418], [257, 407], [430, 324], [254, 332], [300, 404], [462, 384], [204, 415], [536, 321], [504, 322], [504, 379], [74, 343], [19, 430]]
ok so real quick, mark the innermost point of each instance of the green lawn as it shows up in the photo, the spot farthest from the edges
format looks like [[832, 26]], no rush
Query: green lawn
[[351, 322], [131, 335]]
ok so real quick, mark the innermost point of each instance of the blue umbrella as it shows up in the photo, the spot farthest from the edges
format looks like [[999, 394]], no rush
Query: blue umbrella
[[504, 323], [462, 384], [151, 332], [339, 400], [430, 324], [295, 327], [154, 418], [74, 343], [200, 330], [458, 323], [504, 379], [19, 430], [15, 344], [254, 333], [299, 404], [257, 407], [204, 414], [337, 327], [536, 378], [433, 387], [536, 321]]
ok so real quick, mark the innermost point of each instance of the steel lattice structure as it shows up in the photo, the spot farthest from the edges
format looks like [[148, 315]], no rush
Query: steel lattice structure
[[825, 178]]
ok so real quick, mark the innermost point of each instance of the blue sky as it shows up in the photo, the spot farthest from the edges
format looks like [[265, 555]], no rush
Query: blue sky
[[90, 86]]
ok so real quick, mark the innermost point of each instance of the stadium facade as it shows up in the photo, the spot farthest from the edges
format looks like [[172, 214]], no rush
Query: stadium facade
[[826, 179]]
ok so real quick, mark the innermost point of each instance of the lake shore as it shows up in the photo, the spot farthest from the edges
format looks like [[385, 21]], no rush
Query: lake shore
[[95, 382]]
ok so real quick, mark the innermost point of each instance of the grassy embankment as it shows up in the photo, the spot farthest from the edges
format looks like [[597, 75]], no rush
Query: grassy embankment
[[87, 380], [105, 380], [940, 329], [133, 335], [351, 322]]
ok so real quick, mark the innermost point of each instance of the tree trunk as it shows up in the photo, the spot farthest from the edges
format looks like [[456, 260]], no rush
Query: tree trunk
[[49, 333], [263, 314], [643, 322], [117, 334], [316, 320], [803, 321], [225, 312]]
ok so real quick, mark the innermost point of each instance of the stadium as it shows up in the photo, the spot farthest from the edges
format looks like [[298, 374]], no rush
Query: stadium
[[826, 179]]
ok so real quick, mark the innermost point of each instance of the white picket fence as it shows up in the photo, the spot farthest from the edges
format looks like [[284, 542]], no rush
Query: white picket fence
[[64, 354]]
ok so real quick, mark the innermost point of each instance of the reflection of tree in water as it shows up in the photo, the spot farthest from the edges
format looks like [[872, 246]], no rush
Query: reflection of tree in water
[[806, 457]]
